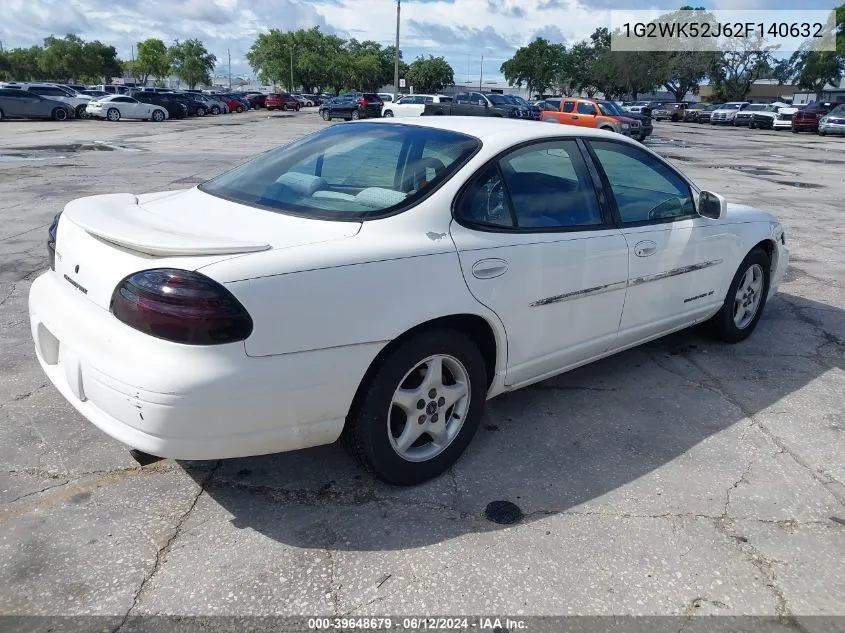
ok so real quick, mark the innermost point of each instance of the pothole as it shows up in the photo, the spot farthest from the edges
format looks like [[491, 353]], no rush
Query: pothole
[[70, 148], [503, 512], [799, 185], [750, 169], [660, 141]]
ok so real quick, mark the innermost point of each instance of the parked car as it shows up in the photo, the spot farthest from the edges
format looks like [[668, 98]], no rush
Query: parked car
[[479, 104], [95, 94], [807, 119], [203, 277], [76, 101], [305, 101], [745, 117], [705, 114], [551, 104], [765, 118], [691, 112], [833, 122], [257, 100], [670, 111], [639, 107], [646, 127], [594, 114], [110, 88], [212, 105], [352, 106], [176, 109], [386, 97], [194, 106], [117, 107], [411, 105], [282, 101], [726, 113], [23, 104], [533, 110]]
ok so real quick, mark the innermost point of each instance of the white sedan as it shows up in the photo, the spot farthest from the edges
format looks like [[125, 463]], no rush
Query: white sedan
[[411, 105], [379, 281], [117, 107]]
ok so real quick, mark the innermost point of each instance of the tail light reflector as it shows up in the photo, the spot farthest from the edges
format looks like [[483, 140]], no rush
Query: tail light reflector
[[180, 306]]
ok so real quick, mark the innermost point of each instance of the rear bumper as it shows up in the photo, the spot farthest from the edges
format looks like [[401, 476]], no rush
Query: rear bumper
[[805, 126], [188, 402]]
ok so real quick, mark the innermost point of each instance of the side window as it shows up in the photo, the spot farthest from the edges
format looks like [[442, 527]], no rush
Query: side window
[[478, 99], [428, 99], [568, 106], [545, 186], [462, 98], [586, 108], [550, 187], [644, 188]]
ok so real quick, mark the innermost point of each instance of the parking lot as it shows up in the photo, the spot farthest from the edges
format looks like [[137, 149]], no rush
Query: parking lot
[[683, 477]]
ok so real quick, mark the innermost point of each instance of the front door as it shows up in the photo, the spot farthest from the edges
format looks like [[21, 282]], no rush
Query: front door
[[680, 263], [535, 248]]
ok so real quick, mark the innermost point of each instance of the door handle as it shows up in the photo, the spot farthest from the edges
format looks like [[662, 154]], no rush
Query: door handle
[[574, 117], [645, 248], [489, 268]]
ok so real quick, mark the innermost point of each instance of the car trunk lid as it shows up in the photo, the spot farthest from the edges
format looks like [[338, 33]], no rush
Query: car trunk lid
[[102, 239]]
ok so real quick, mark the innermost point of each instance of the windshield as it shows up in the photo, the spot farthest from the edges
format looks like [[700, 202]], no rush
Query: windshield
[[730, 106], [608, 108], [520, 100], [499, 100], [838, 110], [348, 171], [758, 108]]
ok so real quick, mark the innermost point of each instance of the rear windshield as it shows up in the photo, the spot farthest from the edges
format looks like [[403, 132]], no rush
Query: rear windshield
[[371, 96], [348, 172]]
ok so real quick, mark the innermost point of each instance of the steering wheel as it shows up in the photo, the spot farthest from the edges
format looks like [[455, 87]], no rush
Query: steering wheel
[[416, 172]]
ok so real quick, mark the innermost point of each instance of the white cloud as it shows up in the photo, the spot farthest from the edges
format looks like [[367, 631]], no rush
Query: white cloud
[[461, 30]]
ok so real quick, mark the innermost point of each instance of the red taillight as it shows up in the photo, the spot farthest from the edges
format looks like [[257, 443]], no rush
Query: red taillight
[[363, 102], [180, 306]]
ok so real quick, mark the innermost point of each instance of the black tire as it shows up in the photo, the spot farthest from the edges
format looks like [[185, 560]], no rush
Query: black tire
[[387, 113], [157, 116], [200, 111], [215, 110], [240, 109], [326, 115], [794, 131], [296, 107], [80, 111], [367, 431], [356, 115], [820, 133], [60, 114], [113, 114], [1, 115], [722, 324], [284, 107], [751, 126]]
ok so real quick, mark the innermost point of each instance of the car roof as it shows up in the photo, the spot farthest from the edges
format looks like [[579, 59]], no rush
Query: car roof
[[490, 128]]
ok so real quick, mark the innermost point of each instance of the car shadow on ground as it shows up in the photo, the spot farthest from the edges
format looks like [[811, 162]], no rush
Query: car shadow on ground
[[596, 435]]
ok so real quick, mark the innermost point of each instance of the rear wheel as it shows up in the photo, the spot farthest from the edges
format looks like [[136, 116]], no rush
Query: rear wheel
[[751, 126], [387, 113], [60, 114], [355, 115], [80, 111], [113, 114], [215, 110], [1, 115], [200, 111], [327, 116], [419, 409], [284, 107], [745, 300], [240, 109], [794, 131]]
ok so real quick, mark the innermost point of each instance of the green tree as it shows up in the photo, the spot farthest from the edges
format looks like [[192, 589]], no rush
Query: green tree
[[21, 64], [191, 62], [62, 58], [537, 66], [742, 63], [99, 62], [817, 69], [430, 75], [270, 55], [152, 61]]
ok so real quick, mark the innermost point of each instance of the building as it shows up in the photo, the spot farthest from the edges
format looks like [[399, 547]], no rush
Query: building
[[762, 91], [830, 93]]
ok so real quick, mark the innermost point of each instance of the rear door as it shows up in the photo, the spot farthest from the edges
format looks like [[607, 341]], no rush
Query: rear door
[[536, 248], [585, 114]]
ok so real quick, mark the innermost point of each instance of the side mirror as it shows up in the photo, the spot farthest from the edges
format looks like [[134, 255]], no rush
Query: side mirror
[[712, 205]]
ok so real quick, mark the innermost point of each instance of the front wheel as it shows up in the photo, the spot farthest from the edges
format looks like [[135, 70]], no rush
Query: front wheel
[[419, 410], [239, 109], [355, 115], [158, 116], [326, 115], [794, 131], [200, 111], [388, 114], [751, 126], [113, 114], [81, 111], [215, 110], [60, 114], [745, 300]]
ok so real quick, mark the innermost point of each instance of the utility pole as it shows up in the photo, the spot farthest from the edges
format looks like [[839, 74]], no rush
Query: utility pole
[[291, 66], [229, 54], [481, 73], [396, 54]]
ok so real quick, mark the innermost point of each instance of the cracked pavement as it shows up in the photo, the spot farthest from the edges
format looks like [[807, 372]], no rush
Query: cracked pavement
[[680, 478]]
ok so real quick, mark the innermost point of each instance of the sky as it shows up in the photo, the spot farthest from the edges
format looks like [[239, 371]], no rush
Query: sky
[[460, 30]]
